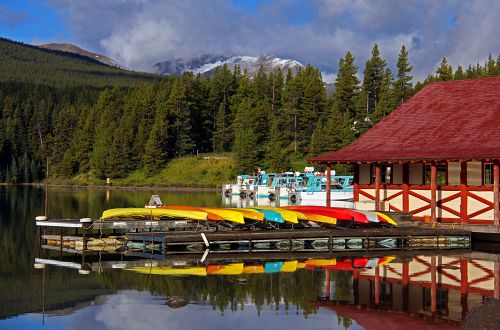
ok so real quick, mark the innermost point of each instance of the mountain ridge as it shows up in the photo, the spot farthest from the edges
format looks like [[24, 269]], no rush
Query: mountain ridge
[[207, 63], [70, 48]]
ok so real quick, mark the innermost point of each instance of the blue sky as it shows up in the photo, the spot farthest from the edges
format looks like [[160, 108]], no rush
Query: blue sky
[[140, 33]]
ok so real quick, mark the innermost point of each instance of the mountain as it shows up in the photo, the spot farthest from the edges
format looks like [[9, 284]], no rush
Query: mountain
[[22, 63], [206, 64], [77, 50]]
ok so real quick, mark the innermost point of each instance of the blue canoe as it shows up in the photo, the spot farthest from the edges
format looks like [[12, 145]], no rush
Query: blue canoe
[[271, 215]]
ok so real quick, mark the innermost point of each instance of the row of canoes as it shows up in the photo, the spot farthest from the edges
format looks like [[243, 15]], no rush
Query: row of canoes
[[278, 215], [240, 268]]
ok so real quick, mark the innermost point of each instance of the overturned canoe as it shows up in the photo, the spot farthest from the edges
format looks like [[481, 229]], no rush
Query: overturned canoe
[[155, 214], [195, 271], [270, 215], [287, 215]]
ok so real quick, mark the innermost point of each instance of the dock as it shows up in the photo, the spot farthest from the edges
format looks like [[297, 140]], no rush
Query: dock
[[185, 237]]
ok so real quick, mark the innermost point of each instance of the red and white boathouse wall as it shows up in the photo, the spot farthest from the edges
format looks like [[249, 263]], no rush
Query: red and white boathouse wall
[[464, 197]]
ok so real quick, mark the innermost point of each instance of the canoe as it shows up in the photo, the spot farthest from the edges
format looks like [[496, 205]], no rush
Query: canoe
[[385, 218], [155, 214], [289, 266], [270, 215], [287, 215], [196, 271], [214, 214], [273, 267], [320, 262], [340, 214], [250, 214], [320, 218], [228, 215], [210, 216], [229, 269], [253, 269], [371, 216]]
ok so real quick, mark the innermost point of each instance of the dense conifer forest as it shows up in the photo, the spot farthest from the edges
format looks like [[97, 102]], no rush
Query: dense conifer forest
[[89, 119]]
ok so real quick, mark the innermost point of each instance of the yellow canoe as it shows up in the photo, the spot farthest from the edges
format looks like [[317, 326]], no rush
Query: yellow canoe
[[250, 214], [320, 218], [229, 215], [289, 266], [387, 218], [321, 262], [253, 269], [230, 269], [386, 260], [156, 214], [196, 271], [287, 215]]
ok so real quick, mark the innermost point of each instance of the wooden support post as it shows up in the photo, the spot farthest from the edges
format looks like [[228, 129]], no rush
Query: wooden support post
[[464, 276], [496, 202], [433, 192], [433, 285], [356, 182], [355, 286], [406, 273], [327, 284], [377, 285], [377, 187], [463, 192], [328, 184], [406, 190], [496, 291]]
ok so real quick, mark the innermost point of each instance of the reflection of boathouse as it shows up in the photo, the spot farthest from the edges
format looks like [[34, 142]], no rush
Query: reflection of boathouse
[[434, 287], [436, 156]]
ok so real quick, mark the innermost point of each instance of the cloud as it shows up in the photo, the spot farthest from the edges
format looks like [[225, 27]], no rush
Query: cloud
[[139, 33]]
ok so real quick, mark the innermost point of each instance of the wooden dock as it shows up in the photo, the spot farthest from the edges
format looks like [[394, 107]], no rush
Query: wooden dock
[[307, 240], [173, 237]]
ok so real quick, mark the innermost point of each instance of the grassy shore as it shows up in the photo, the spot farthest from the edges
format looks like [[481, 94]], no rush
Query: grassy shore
[[205, 171], [208, 171]]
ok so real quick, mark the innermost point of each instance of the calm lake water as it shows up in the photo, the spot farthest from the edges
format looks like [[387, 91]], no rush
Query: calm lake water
[[375, 292]]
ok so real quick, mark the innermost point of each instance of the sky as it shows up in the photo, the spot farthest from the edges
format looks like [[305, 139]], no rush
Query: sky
[[140, 33]]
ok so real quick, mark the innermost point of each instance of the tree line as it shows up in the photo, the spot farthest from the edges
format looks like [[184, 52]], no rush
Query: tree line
[[267, 120]]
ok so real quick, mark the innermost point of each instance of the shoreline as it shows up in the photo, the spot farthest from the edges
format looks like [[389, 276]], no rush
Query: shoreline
[[117, 187]]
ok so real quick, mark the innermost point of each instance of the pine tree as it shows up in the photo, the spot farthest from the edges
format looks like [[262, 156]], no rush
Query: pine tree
[[155, 155], [403, 83], [444, 71], [459, 73], [179, 117], [491, 67], [346, 87], [387, 101], [373, 75]]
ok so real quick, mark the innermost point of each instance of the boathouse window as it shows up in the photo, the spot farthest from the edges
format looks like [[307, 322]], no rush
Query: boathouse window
[[488, 173], [385, 174], [440, 174]]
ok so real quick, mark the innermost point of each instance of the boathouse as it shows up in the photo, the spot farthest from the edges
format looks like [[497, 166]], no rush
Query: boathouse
[[436, 156]]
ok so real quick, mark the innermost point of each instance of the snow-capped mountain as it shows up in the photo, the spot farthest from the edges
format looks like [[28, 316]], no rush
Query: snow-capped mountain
[[206, 64]]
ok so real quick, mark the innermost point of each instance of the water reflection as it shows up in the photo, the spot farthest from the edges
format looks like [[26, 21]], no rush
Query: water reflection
[[311, 291]]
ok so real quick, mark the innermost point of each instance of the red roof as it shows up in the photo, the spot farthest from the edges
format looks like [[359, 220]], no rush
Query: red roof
[[453, 120], [385, 320]]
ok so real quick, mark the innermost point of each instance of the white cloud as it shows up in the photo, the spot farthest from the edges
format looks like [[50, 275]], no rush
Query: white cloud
[[139, 33]]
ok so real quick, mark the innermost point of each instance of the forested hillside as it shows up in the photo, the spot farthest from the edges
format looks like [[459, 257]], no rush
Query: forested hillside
[[23, 63], [268, 121]]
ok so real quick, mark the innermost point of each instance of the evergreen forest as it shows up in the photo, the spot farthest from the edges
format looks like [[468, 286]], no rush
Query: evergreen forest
[[90, 120]]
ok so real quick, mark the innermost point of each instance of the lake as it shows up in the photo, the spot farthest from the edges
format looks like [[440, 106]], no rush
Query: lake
[[125, 291]]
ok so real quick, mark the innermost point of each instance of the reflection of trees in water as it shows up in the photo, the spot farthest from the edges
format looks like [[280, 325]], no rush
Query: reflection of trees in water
[[344, 321], [277, 290], [343, 285]]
